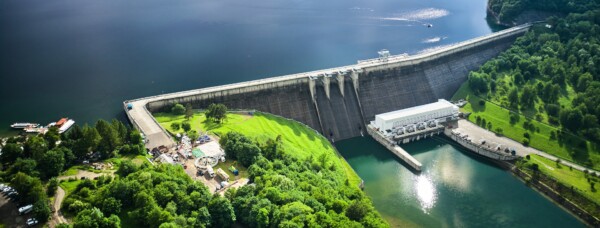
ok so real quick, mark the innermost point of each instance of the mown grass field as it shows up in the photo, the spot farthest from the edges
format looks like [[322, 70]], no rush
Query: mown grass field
[[69, 186], [569, 177], [541, 139], [297, 139]]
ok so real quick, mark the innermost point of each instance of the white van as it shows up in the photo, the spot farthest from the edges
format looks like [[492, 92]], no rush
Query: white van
[[25, 209]]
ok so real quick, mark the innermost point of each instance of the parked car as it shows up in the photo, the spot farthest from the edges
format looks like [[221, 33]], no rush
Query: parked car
[[32, 222]]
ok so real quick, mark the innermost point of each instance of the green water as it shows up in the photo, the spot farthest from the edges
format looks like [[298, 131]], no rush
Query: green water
[[454, 189]]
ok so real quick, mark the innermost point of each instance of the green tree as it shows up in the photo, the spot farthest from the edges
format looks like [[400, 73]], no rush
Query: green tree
[[111, 205], [189, 111], [216, 112], [41, 211], [126, 167], [357, 210], [52, 163], [52, 186], [221, 212], [52, 136], [35, 147], [178, 109], [247, 153], [513, 97], [93, 218], [26, 166], [175, 126], [10, 153], [89, 142], [135, 137], [185, 125], [109, 138], [30, 189]]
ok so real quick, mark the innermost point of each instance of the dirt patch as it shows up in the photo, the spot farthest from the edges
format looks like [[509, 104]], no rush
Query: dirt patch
[[87, 174]]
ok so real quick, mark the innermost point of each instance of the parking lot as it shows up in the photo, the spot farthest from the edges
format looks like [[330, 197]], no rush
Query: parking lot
[[9, 213]]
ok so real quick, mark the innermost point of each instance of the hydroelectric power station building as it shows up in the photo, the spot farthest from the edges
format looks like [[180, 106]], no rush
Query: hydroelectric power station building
[[415, 121]]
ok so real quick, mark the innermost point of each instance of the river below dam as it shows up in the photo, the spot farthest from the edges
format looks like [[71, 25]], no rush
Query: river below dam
[[454, 189]]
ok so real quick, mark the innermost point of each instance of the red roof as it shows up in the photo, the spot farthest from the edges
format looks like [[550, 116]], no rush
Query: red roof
[[61, 122]]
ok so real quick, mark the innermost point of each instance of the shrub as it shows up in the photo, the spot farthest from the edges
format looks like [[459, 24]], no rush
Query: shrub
[[525, 142], [185, 125], [178, 109], [175, 126]]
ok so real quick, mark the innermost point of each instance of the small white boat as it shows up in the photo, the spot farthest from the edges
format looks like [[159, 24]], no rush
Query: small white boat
[[24, 125]]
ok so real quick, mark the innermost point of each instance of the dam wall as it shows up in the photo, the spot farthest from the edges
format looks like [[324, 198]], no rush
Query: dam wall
[[339, 101]]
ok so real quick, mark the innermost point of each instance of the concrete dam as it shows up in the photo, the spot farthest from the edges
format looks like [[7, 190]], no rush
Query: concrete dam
[[338, 102]]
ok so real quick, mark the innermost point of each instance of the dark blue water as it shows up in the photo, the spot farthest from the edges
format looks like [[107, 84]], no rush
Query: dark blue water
[[81, 59]]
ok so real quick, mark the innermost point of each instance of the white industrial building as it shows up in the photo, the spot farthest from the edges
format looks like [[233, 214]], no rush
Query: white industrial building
[[428, 113]]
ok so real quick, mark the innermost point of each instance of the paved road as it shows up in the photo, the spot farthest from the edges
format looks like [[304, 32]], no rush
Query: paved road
[[477, 133], [57, 217]]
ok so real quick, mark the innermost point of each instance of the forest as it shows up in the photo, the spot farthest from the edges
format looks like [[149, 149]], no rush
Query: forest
[[507, 10], [31, 163], [284, 190], [551, 76]]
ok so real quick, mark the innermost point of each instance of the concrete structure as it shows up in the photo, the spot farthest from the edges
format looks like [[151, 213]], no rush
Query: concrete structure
[[338, 102], [409, 116], [391, 146], [487, 149]]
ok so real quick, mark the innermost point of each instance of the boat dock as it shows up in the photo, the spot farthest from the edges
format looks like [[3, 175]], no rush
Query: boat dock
[[398, 151]]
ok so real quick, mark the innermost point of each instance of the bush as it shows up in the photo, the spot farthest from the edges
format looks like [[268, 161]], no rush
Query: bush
[[52, 186], [481, 103], [175, 126], [526, 135], [178, 109], [185, 125], [525, 142]]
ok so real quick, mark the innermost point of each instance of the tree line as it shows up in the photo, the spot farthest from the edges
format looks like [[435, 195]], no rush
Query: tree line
[[551, 73], [32, 163]]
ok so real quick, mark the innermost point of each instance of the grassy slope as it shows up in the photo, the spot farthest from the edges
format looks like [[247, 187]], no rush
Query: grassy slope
[[500, 118], [565, 175], [298, 139]]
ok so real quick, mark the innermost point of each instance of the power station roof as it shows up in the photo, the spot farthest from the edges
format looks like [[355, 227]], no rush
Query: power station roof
[[439, 105]]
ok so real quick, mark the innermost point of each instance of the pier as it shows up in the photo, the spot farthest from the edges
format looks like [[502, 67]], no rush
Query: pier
[[395, 149], [338, 102]]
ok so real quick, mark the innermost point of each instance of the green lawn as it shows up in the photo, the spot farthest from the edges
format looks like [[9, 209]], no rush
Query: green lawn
[[69, 186], [298, 139], [566, 176], [242, 171], [500, 118]]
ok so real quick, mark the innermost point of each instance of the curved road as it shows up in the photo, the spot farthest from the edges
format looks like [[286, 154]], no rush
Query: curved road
[[477, 133]]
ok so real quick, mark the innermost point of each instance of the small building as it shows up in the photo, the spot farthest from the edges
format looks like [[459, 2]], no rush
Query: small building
[[164, 158], [222, 175], [418, 114]]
